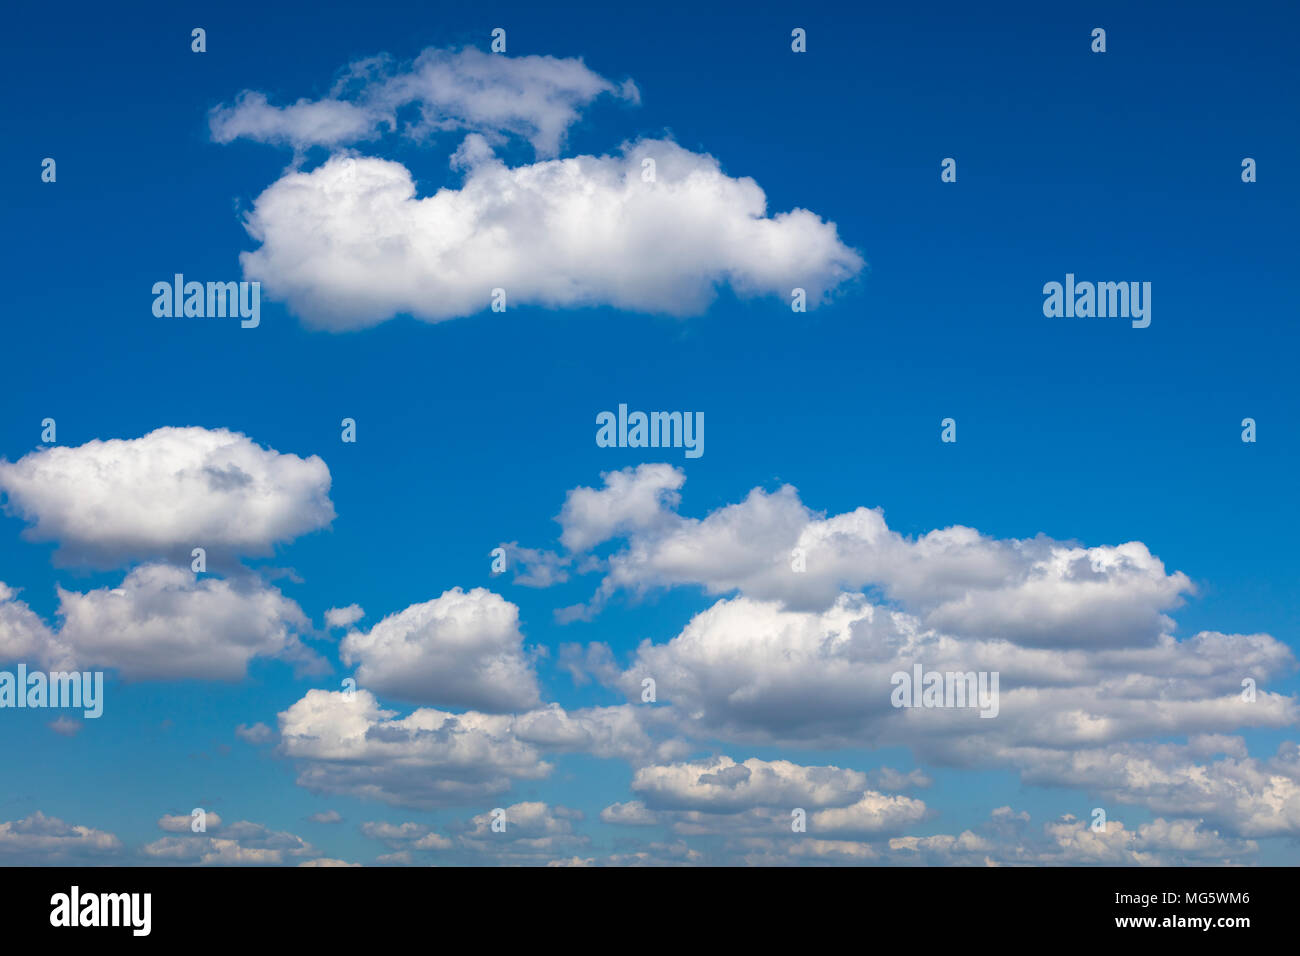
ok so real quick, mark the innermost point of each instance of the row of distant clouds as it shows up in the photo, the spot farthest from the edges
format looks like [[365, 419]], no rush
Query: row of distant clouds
[[348, 244], [449, 710]]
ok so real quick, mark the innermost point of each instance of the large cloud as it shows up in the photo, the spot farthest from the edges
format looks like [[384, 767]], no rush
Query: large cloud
[[161, 495], [349, 244], [1035, 592], [758, 672], [535, 97], [463, 649]]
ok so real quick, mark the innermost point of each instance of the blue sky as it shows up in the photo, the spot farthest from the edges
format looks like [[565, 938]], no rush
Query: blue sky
[[1122, 166]]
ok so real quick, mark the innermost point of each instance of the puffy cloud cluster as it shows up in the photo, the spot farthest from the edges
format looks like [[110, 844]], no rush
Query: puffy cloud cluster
[[1035, 592], [348, 744], [107, 503], [816, 613], [156, 498], [654, 228]]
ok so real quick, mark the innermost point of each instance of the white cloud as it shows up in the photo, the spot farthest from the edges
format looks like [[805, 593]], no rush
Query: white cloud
[[1034, 592], [633, 813], [38, 839], [534, 833], [412, 836], [163, 623], [304, 123], [256, 735], [349, 244], [326, 861], [432, 758], [874, 813], [534, 97], [23, 635], [535, 568], [341, 617], [1246, 796], [634, 500], [463, 649], [619, 732], [427, 759], [66, 726], [109, 502], [240, 844], [722, 785], [183, 822], [756, 672]]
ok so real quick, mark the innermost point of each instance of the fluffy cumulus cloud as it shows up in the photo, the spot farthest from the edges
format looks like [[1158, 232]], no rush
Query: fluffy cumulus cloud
[[109, 502], [536, 98], [463, 649], [1037, 592], [162, 623], [758, 672], [350, 244]]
